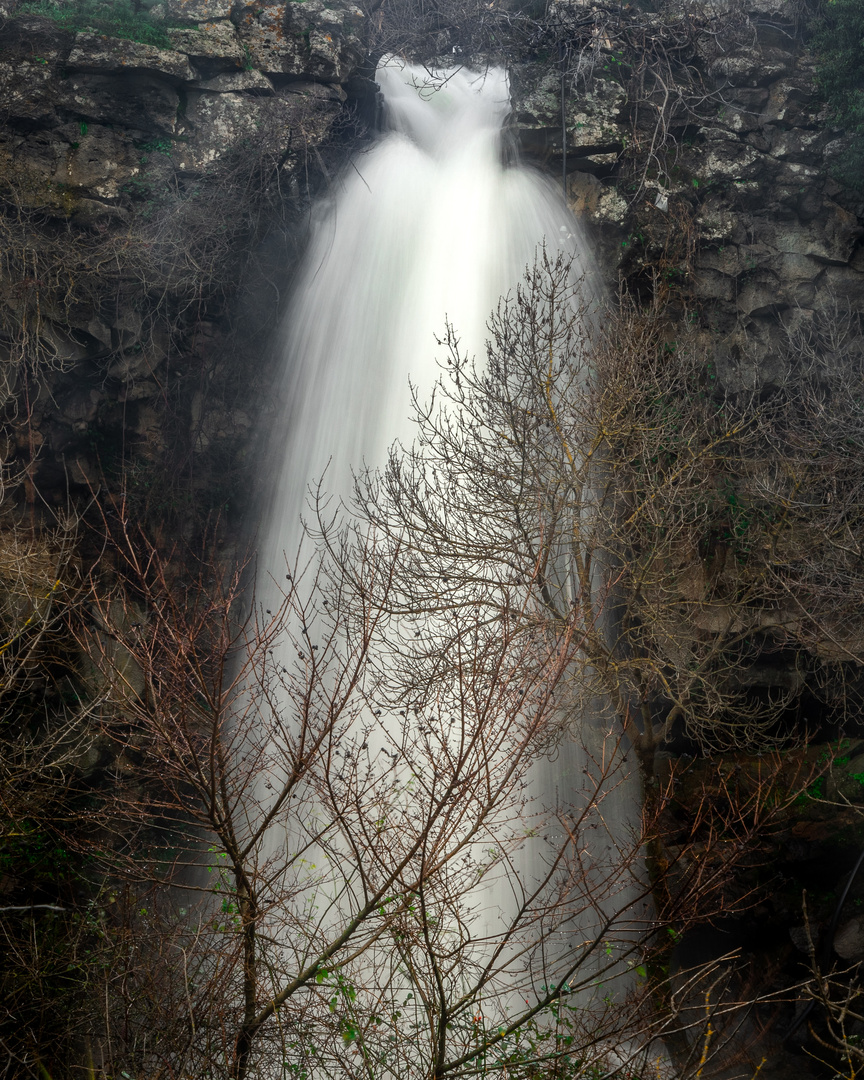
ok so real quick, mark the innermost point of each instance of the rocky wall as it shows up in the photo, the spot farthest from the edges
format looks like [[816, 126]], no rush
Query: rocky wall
[[722, 186], [715, 191], [131, 335], [153, 199]]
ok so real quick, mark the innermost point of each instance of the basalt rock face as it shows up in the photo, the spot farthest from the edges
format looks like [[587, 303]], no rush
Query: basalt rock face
[[135, 182], [720, 185], [707, 180]]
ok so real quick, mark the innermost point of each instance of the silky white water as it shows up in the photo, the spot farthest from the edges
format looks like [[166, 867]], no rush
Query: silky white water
[[427, 226]]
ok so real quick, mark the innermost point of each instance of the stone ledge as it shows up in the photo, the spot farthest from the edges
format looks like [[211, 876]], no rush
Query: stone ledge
[[196, 11], [99, 54], [213, 45]]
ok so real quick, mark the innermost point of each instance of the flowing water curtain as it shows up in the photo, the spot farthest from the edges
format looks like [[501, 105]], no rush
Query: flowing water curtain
[[426, 227]]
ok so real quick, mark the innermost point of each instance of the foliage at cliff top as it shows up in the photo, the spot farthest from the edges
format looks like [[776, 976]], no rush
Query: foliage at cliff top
[[118, 18]]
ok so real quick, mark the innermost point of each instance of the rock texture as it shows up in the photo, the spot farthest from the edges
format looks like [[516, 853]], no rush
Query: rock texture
[[713, 188], [729, 191], [323, 40], [140, 184], [135, 181]]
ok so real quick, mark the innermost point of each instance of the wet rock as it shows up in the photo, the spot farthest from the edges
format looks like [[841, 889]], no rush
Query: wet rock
[[313, 39], [726, 158], [793, 102], [846, 781], [81, 405], [754, 66], [589, 197], [29, 91], [830, 239], [100, 160], [138, 102], [33, 37], [592, 124], [316, 91], [802, 937], [236, 82], [196, 11], [69, 169], [800, 145], [849, 940], [212, 123], [110, 669], [717, 224], [593, 116]]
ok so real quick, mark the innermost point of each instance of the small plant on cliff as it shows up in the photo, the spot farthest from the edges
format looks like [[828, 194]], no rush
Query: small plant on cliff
[[117, 18]]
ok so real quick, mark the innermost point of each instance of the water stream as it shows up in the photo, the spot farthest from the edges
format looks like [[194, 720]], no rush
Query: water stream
[[427, 225]]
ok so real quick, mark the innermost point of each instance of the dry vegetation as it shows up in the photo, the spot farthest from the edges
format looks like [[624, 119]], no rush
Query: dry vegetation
[[332, 785]]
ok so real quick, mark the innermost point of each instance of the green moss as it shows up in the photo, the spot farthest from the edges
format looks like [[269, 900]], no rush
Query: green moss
[[117, 18], [815, 791]]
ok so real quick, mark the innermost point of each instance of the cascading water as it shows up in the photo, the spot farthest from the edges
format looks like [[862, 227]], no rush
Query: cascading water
[[428, 226]]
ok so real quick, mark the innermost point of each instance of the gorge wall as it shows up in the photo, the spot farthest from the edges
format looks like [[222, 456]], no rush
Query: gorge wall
[[723, 188], [155, 196], [154, 199]]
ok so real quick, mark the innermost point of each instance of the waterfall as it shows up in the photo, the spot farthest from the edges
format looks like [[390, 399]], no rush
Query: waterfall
[[426, 225]]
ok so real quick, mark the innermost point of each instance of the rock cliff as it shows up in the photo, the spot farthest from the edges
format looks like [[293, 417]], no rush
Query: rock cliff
[[151, 197], [138, 178], [701, 153]]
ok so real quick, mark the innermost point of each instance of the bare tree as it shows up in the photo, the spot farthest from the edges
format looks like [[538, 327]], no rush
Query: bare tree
[[688, 529], [353, 821], [348, 792], [344, 791]]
